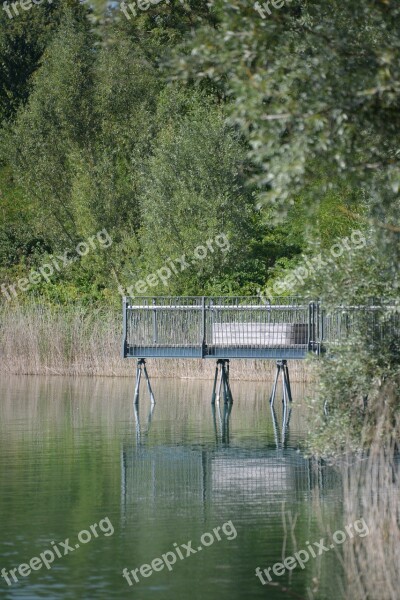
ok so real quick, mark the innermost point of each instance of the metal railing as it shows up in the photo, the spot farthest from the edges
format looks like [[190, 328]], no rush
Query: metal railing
[[242, 327], [246, 327], [379, 323]]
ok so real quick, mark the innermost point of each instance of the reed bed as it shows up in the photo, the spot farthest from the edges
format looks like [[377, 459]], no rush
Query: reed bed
[[79, 340], [371, 489]]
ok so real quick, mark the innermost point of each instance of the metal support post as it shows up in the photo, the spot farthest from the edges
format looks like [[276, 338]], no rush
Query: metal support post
[[283, 370], [222, 369], [141, 363]]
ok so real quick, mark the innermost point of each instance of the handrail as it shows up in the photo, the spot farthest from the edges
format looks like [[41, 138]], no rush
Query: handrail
[[209, 327], [216, 307]]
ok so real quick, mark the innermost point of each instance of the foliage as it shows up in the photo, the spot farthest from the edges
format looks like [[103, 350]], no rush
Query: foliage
[[103, 141]]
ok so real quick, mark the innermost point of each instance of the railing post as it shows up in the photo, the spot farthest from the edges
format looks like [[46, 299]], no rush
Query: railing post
[[315, 327], [203, 333], [124, 350], [155, 330], [322, 328], [310, 325]]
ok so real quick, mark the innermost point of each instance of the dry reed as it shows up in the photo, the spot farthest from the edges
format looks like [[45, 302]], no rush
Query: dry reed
[[78, 340], [372, 492]]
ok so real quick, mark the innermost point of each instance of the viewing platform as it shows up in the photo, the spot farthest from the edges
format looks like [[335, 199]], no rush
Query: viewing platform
[[224, 328], [204, 327]]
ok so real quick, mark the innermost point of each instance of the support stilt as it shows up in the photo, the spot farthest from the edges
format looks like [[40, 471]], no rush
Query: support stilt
[[283, 370], [223, 384], [288, 387], [141, 363]]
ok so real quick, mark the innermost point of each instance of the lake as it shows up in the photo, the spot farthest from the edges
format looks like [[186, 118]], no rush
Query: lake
[[101, 488]]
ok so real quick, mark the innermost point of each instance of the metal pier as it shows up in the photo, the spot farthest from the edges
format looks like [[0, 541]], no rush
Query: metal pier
[[224, 328]]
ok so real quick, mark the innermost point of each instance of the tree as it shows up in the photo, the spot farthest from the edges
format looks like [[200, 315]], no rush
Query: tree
[[318, 84], [193, 191], [54, 123], [23, 40]]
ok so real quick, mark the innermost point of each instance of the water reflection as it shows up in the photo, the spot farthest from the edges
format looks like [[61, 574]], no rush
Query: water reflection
[[138, 427], [221, 472], [222, 429], [74, 451], [280, 439]]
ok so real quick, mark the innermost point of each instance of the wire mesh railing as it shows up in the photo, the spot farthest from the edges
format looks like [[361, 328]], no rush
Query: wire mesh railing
[[377, 322], [165, 321], [248, 327], [249, 322], [197, 326]]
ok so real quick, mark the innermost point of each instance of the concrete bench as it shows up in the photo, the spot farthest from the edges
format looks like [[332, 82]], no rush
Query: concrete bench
[[259, 334]]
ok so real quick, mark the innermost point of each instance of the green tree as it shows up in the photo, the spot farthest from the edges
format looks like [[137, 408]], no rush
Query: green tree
[[318, 84], [193, 190], [313, 82], [54, 122], [23, 40]]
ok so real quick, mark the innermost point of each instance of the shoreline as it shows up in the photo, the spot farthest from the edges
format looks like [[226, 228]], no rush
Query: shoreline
[[183, 369]]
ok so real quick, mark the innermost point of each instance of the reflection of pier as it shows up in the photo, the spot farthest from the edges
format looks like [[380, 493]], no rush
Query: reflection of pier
[[222, 473], [221, 416]]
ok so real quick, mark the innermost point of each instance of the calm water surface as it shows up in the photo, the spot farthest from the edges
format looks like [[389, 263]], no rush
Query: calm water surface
[[73, 453]]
